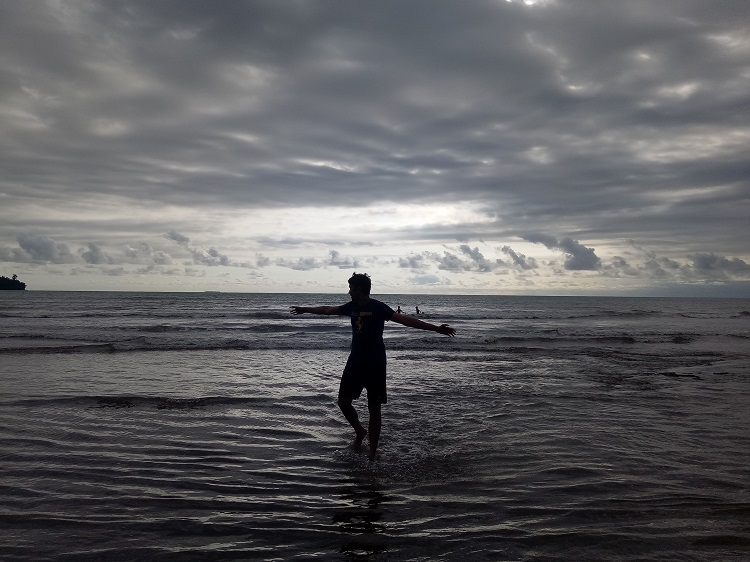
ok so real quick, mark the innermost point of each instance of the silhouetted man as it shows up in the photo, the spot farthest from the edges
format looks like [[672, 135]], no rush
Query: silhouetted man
[[365, 367]]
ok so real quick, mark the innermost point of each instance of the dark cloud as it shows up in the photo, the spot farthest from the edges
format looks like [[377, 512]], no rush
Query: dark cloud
[[520, 260], [620, 267], [578, 256], [16, 255], [474, 261], [413, 261], [450, 262], [209, 257], [95, 255], [714, 263], [181, 239], [703, 268], [477, 258], [212, 256], [38, 248]]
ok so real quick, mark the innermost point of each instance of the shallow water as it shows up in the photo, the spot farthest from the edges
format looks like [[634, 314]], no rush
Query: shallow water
[[204, 427]]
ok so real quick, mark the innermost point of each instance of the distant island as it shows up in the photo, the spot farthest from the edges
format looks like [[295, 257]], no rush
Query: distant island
[[11, 284]]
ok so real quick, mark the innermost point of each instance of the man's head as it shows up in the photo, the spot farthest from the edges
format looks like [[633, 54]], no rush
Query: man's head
[[361, 283]]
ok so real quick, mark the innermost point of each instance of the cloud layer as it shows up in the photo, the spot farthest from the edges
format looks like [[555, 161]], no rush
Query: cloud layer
[[565, 144]]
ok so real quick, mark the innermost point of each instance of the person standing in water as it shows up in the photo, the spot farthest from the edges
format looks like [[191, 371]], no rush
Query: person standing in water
[[366, 366]]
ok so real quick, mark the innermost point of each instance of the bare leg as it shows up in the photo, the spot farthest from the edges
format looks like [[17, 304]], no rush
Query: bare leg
[[351, 416], [375, 424]]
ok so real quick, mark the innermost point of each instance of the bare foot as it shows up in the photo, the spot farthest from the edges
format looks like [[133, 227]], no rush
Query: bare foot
[[357, 445], [374, 456]]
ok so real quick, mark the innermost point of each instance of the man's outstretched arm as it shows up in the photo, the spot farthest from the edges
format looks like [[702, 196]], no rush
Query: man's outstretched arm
[[328, 310], [422, 325]]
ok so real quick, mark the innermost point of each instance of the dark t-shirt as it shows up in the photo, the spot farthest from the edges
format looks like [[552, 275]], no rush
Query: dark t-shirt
[[368, 321]]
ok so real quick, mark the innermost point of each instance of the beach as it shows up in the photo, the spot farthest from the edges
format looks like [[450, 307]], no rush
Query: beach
[[189, 426]]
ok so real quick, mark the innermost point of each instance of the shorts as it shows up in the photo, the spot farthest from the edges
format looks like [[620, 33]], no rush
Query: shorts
[[358, 376]]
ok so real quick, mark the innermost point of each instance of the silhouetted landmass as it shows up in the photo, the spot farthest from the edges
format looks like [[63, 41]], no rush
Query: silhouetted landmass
[[11, 284]]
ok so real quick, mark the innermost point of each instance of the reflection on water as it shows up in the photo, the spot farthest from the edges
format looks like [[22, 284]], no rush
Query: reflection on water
[[361, 519]]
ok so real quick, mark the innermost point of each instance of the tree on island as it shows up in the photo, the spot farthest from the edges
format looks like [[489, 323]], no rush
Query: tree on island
[[11, 284]]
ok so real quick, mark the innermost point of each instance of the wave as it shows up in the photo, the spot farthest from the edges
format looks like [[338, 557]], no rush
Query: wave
[[560, 339], [144, 344], [47, 349], [616, 314], [310, 339], [137, 401], [182, 327], [179, 314]]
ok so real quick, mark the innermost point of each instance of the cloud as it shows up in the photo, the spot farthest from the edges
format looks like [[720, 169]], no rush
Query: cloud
[[181, 239], [418, 262], [619, 267], [477, 258], [450, 262], [308, 263], [428, 279], [520, 260], [210, 257], [38, 248], [578, 256], [661, 267], [161, 258], [300, 264], [340, 262], [132, 252], [16, 255], [701, 268], [115, 271], [713, 263], [141, 252], [95, 255]]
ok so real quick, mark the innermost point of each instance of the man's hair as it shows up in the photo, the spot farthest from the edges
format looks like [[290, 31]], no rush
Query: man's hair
[[361, 280]]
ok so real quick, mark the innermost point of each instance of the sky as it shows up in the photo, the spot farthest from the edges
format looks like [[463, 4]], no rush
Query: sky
[[548, 147]]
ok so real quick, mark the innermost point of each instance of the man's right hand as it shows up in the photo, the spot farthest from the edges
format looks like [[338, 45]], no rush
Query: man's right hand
[[446, 330]]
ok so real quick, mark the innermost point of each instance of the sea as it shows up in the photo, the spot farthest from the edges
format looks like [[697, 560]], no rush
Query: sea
[[204, 426]]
